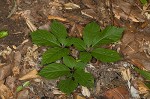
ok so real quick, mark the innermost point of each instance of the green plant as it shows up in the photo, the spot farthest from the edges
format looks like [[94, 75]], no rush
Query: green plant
[[93, 39], [56, 39], [3, 34], [71, 71], [144, 73], [143, 1], [25, 84]]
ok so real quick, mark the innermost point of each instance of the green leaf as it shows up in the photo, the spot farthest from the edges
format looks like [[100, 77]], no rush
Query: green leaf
[[143, 1], [106, 55], [25, 84], [80, 65], [19, 88], [108, 35], [147, 84], [3, 34], [69, 61], [83, 78], [59, 31], [79, 44], [90, 32], [54, 70], [45, 38], [54, 54], [67, 86], [144, 73], [85, 56], [69, 41]]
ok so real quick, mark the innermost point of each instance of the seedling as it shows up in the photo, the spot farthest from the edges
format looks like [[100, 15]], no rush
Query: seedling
[[73, 72], [93, 39], [3, 34], [70, 70], [56, 39], [25, 84]]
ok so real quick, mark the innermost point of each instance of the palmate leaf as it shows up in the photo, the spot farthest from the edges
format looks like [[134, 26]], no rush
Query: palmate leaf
[[78, 43], [54, 70], [109, 35], [89, 33], [45, 38], [85, 57], [54, 54], [59, 31], [67, 86], [105, 55], [71, 62], [83, 78], [144, 73]]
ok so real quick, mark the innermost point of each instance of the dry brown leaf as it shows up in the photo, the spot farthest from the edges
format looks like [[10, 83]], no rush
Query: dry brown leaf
[[5, 92], [76, 30], [24, 94], [117, 93], [125, 10], [17, 58], [76, 96], [50, 17], [142, 88], [31, 75], [5, 71]]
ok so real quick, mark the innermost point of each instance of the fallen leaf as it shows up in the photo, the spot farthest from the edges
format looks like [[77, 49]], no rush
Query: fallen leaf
[[31, 75], [76, 96], [5, 71], [117, 93], [5, 92], [142, 88], [76, 30], [24, 94], [125, 10], [85, 91], [11, 82], [17, 58]]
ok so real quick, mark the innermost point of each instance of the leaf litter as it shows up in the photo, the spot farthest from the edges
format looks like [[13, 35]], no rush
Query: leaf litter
[[134, 46]]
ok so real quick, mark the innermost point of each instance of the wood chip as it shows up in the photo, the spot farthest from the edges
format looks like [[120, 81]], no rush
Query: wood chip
[[89, 13], [31, 75], [71, 6], [50, 17]]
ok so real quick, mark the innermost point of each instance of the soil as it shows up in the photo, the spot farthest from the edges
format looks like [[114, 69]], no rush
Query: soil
[[19, 57]]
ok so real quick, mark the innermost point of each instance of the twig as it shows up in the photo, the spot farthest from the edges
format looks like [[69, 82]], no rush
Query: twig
[[13, 9]]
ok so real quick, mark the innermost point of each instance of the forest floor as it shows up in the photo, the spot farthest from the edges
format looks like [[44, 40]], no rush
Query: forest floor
[[20, 58]]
